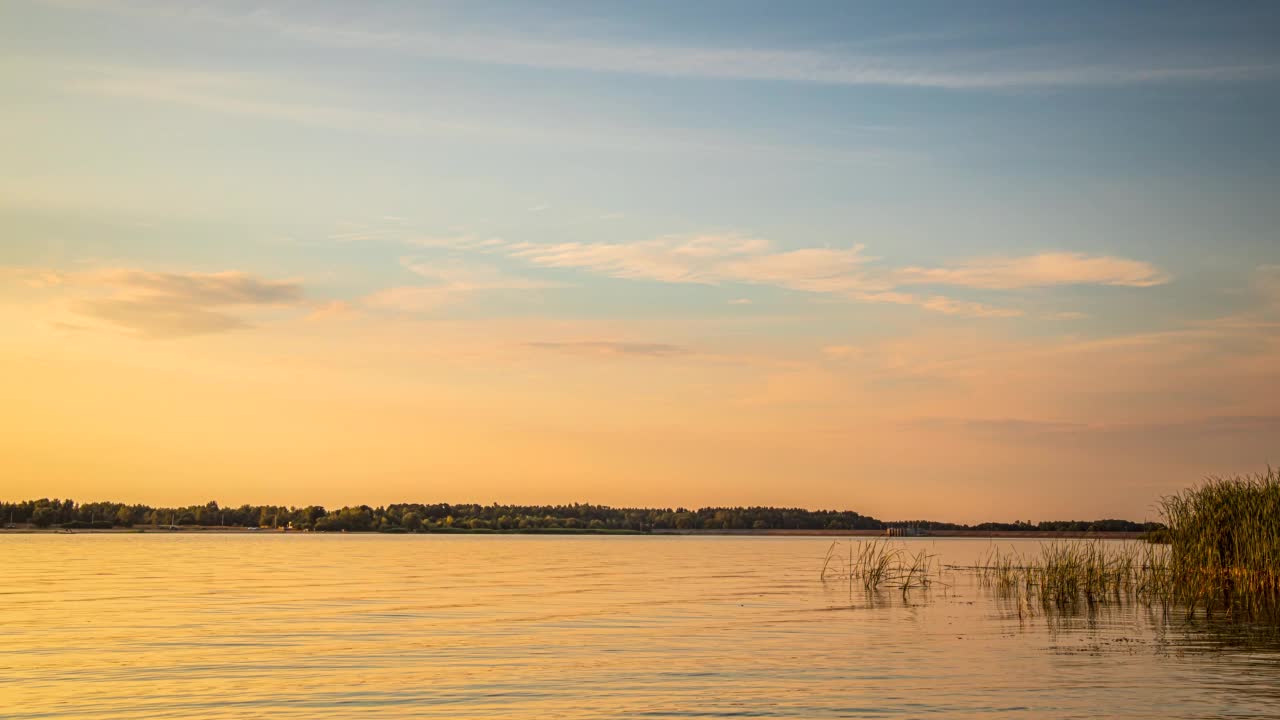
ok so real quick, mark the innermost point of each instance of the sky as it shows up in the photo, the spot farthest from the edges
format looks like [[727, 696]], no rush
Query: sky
[[957, 261]]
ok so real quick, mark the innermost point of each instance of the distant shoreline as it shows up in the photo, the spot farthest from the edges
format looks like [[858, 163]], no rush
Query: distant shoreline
[[190, 529], [1105, 534], [577, 518]]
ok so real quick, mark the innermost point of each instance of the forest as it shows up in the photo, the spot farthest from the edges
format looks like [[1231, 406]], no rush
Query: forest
[[445, 517]]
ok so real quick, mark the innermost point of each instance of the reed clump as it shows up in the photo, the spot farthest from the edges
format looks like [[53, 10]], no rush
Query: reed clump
[[876, 565], [1067, 573], [1222, 557], [1224, 546]]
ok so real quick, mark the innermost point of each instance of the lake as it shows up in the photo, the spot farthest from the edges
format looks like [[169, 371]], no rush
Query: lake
[[196, 625]]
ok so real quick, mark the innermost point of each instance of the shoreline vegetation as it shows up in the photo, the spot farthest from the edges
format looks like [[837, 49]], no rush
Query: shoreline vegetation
[[64, 514], [975, 534], [1217, 556]]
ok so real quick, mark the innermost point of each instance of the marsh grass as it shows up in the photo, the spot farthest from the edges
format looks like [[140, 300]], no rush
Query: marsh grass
[[1224, 546], [1222, 559], [1067, 574], [877, 565]]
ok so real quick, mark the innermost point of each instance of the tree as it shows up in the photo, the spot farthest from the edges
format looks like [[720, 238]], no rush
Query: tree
[[43, 516], [411, 521]]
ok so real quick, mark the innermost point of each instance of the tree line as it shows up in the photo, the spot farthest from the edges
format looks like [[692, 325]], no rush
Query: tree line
[[1108, 525], [445, 517]]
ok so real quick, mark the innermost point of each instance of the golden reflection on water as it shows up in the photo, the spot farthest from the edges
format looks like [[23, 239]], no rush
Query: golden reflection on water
[[307, 626]]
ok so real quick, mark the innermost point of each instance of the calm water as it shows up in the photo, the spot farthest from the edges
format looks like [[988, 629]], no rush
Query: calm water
[[307, 626]]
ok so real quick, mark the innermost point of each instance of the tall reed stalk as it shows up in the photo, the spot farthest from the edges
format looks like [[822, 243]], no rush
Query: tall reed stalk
[[1224, 545], [877, 564], [1223, 557]]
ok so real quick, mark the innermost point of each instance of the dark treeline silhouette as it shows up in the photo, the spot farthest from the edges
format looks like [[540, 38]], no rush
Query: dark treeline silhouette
[[1042, 526], [444, 517]]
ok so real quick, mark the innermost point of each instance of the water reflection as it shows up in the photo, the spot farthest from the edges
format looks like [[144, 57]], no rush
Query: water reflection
[[576, 627]]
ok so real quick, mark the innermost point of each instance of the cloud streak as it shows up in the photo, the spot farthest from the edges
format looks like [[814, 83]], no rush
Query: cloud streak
[[445, 284], [159, 317], [248, 95], [672, 259], [1197, 427], [205, 289], [164, 304], [597, 347], [953, 71], [1043, 270], [849, 273], [310, 101], [171, 305]]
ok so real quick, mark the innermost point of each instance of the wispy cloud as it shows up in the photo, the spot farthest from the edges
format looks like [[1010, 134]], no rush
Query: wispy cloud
[[463, 277], [820, 270], [677, 259], [169, 304], [841, 351], [1265, 283], [244, 94], [1196, 427], [332, 310], [949, 306], [410, 299], [951, 71], [205, 289], [446, 283], [159, 317], [32, 277], [1261, 315], [999, 426], [849, 273], [598, 347], [1043, 270], [313, 101]]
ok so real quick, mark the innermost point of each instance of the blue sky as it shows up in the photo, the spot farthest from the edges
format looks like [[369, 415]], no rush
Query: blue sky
[[794, 183]]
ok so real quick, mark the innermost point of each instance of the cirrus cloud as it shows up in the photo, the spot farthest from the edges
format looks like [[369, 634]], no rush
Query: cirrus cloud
[[599, 347], [671, 258], [175, 304], [927, 68], [446, 283], [849, 273], [153, 304], [1042, 270]]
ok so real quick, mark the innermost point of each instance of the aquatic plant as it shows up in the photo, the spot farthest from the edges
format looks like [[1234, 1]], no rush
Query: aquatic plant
[[877, 564], [1224, 545], [1222, 557], [1066, 573]]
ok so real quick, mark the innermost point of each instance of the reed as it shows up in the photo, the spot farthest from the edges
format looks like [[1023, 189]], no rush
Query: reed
[[1224, 545], [1084, 571], [877, 564], [1222, 557]]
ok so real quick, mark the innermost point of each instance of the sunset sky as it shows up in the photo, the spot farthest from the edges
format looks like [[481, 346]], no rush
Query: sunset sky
[[948, 260]]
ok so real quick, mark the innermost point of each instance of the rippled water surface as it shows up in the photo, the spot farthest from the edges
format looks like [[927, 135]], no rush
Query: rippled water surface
[[327, 626]]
